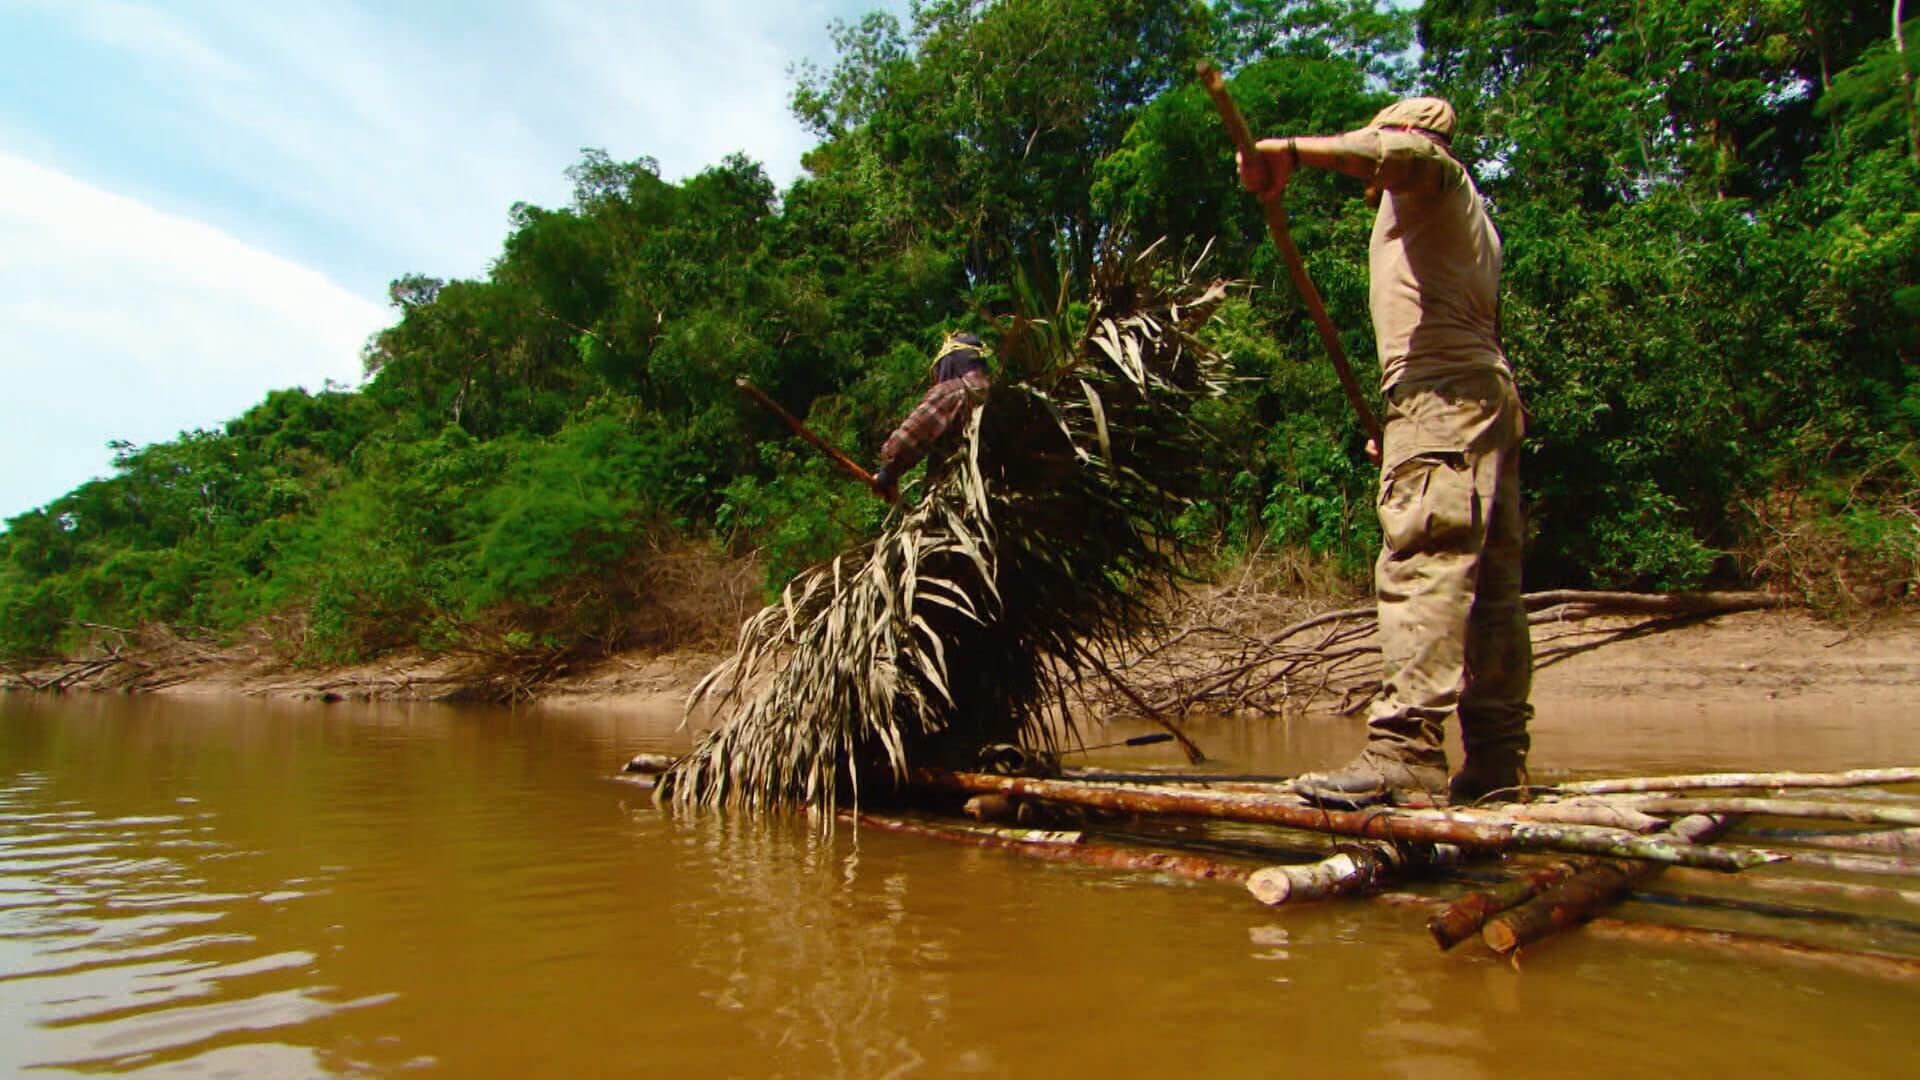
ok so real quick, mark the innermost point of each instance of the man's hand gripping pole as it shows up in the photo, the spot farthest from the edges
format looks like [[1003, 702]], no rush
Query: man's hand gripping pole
[[1283, 239], [833, 453]]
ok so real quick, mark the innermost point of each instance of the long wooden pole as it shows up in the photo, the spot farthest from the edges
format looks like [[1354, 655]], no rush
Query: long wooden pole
[[1721, 781], [1283, 239], [1860, 813], [1050, 847], [1877, 895], [1187, 745], [1848, 863], [1875, 964], [833, 452], [1884, 842], [1371, 824]]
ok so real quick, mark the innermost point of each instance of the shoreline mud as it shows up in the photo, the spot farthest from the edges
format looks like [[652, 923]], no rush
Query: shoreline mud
[[1756, 656]]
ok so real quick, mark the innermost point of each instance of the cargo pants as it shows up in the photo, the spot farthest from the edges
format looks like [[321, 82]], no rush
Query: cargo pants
[[1453, 631]]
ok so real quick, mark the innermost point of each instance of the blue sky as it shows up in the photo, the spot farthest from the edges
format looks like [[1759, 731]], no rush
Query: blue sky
[[201, 201]]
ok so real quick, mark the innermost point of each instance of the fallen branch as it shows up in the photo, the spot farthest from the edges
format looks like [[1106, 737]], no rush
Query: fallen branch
[[1293, 667], [1577, 604]]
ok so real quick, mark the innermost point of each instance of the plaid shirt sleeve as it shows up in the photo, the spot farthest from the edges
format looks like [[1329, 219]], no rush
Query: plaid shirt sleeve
[[938, 412]]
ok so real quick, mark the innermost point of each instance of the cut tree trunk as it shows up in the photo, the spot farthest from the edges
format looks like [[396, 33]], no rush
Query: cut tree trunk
[[1465, 916], [1597, 885], [1352, 869], [1746, 946]]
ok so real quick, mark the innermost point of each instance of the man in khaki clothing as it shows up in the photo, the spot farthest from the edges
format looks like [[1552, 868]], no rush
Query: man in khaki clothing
[[1453, 631]]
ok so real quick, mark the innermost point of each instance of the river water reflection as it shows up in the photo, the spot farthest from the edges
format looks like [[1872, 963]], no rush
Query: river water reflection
[[252, 889]]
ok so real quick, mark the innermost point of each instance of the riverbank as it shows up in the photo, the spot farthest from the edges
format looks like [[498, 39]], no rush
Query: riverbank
[[1748, 657]]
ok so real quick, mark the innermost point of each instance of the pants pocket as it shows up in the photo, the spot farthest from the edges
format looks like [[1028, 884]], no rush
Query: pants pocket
[[1428, 504]]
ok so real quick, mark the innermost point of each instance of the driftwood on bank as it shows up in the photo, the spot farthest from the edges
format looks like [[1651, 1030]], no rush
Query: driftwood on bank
[[1215, 662], [131, 660]]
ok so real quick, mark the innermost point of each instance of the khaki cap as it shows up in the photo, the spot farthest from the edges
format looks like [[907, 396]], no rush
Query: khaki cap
[[1426, 113]]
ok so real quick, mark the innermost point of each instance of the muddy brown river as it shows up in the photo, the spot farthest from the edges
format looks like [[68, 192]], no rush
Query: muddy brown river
[[239, 888]]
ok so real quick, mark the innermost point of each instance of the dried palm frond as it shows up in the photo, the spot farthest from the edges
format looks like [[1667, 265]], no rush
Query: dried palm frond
[[1036, 547]]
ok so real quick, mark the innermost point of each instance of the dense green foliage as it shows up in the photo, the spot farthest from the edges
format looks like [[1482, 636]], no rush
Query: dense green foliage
[[1712, 217]]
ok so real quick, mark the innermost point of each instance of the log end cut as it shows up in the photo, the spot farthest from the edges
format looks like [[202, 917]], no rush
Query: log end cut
[[1276, 885]]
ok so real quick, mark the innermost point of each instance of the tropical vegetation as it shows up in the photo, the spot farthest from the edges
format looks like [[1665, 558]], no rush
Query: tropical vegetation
[[1712, 219]]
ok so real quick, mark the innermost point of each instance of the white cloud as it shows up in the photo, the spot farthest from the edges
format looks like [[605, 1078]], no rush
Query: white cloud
[[145, 31], [403, 142], [192, 195], [121, 321]]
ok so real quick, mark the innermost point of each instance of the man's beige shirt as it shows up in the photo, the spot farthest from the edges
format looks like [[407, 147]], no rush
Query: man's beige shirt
[[1434, 263]]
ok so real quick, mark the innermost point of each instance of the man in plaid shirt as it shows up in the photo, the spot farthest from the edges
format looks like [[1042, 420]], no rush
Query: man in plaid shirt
[[959, 383]]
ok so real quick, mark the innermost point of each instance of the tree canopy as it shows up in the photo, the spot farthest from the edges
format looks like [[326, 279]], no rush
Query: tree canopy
[[1711, 211]]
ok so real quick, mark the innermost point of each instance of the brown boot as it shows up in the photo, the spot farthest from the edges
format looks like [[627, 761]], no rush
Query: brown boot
[[1489, 776], [1378, 774]]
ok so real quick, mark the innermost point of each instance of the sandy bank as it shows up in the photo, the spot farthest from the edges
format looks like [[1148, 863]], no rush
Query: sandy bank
[[1752, 656]]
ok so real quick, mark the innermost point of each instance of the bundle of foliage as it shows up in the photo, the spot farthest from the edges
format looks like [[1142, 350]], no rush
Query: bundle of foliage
[[1034, 548]]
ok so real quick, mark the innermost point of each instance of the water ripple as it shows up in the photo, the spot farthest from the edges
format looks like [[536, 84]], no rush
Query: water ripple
[[118, 951]]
